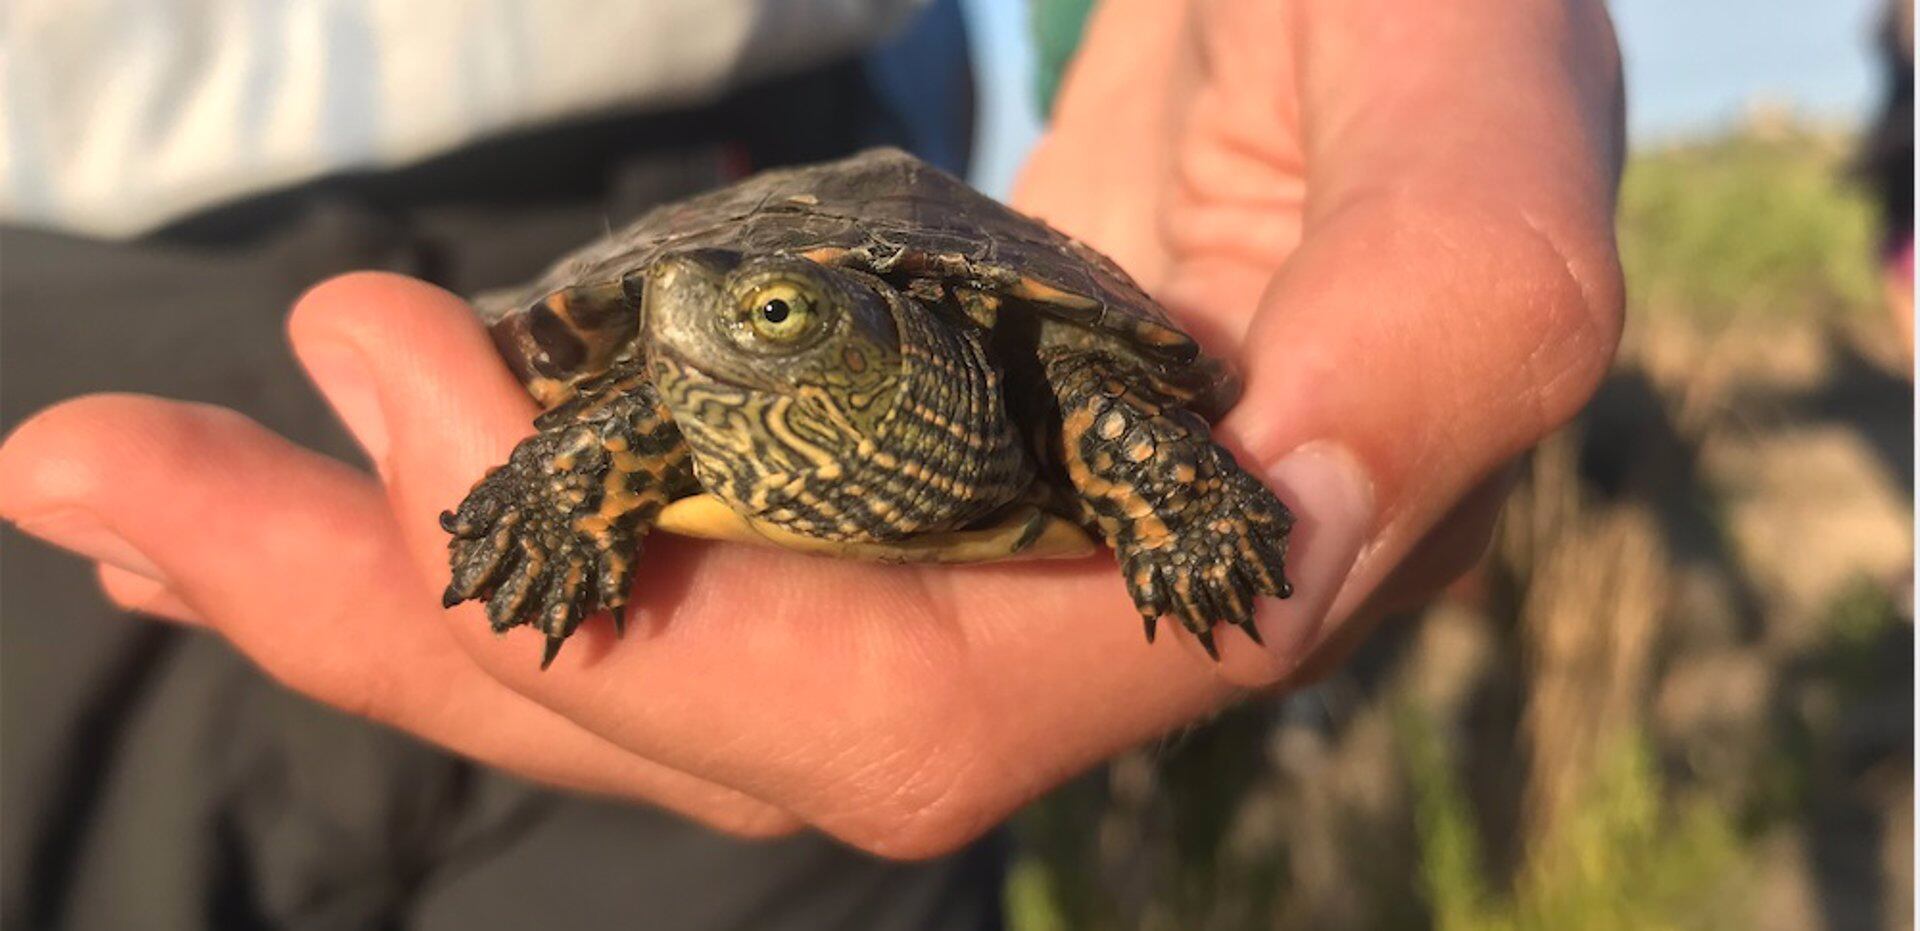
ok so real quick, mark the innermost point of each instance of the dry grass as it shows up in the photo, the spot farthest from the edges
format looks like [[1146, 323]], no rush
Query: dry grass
[[1680, 691]]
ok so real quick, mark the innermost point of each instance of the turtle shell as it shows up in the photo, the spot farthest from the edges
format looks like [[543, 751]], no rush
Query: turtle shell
[[881, 210]]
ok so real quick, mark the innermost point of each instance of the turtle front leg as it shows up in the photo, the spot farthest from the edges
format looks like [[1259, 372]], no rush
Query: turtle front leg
[[1195, 535], [550, 537]]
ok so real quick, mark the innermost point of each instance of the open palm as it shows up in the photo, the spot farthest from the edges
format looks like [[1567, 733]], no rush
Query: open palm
[[1396, 220]]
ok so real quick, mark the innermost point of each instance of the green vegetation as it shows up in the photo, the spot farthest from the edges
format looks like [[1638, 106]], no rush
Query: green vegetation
[[1751, 758], [1622, 857], [1863, 622], [1761, 222], [1057, 26]]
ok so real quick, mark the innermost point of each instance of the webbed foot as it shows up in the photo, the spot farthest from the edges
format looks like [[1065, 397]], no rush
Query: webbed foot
[[1213, 560], [551, 537], [1196, 536]]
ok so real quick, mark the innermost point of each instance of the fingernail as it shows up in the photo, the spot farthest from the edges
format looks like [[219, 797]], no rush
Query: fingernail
[[348, 385], [79, 531], [1332, 502]]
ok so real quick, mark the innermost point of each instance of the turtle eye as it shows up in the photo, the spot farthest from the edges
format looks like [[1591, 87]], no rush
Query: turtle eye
[[779, 312]]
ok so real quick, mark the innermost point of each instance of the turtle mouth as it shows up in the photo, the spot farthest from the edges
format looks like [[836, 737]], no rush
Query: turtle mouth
[[672, 366]]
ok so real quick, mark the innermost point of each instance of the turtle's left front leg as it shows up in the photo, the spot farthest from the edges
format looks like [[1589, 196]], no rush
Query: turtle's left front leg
[[1196, 536]]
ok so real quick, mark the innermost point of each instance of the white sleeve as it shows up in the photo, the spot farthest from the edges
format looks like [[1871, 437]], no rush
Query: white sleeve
[[117, 115]]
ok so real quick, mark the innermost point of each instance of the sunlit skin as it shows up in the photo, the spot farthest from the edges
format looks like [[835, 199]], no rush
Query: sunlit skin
[[1396, 216]]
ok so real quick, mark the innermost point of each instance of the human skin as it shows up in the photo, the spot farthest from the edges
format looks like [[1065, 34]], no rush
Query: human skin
[[1395, 217]]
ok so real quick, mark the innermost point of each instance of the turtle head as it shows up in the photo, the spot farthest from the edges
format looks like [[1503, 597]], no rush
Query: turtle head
[[826, 401], [753, 331]]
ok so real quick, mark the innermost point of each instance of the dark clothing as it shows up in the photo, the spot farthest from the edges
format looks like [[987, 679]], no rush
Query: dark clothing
[[154, 780], [1886, 157]]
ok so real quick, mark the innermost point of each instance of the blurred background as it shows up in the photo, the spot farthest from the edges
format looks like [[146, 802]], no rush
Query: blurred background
[[1679, 691]]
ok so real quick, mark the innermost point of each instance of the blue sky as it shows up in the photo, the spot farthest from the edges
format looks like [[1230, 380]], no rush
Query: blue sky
[[1696, 65], [1693, 67]]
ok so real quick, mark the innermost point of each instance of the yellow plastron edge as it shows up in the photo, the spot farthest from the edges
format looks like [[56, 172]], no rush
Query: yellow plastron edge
[[1025, 533]]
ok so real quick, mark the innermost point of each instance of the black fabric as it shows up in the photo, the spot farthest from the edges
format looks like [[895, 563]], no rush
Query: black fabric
[[151, 779]]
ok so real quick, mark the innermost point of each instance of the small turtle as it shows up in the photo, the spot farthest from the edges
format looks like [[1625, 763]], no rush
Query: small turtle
[[866, 359]]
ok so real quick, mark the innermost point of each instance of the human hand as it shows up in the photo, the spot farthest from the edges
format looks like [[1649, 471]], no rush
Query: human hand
[[1397, 217], [904, 709]]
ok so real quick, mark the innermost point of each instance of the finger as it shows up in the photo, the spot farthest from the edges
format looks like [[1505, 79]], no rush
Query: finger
[[1455, 545], [1070, 179], [294, 558], [1454, 300], [902, 710], [1521, 102], [133, 592]]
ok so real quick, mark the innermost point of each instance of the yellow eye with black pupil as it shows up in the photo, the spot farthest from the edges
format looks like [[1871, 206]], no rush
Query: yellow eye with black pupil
[[779, 312]]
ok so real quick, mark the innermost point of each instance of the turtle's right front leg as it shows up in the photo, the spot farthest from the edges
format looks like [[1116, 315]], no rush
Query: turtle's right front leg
[[550, 537]]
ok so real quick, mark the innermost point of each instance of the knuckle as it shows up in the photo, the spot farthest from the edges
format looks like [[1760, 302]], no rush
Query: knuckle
[[921, 806], [921, 835], [1583, 312]]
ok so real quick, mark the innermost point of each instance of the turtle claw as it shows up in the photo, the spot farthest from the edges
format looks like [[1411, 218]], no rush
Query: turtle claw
[[552, 650], [1212, 565], [524, 543], [1206, 643], [1198, 538]]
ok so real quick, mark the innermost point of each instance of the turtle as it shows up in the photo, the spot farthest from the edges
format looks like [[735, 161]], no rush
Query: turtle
[[868, 359]]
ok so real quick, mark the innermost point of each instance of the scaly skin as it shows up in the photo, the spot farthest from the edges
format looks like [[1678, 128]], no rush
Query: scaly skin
[[550, 537], [1195, 535], [862, 414]]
